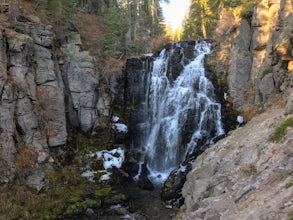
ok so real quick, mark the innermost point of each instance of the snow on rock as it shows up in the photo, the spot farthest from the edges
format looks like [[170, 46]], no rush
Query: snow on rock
[[115, 119], [240, 119], [112, 158], [122, 128], [89, 174], [106, 176], [148, 54]]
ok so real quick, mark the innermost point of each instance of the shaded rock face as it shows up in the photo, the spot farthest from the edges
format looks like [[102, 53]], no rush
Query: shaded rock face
[[36, 95], [254, 56]]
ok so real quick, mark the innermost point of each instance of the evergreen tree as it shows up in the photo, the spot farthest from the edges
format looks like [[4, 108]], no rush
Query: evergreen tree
[[200, 21], [115, 37], [60, 13], [203, 16]]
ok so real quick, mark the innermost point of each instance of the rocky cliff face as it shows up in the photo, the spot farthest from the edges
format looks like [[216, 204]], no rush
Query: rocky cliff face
[[246, 175], [254, 55], [39, 88]]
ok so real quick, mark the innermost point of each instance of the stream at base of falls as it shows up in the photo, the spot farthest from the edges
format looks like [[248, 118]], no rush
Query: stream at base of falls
[[144, 205]]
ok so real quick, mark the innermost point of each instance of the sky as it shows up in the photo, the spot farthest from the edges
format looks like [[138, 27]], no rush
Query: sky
[[174, 12]]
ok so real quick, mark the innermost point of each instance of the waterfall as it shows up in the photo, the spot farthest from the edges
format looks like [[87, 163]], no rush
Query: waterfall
[[175, 110]]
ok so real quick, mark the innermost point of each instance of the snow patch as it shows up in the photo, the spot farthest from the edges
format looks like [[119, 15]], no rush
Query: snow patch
[[148, 54], [89, 174], [115, 118], [112, 158], [240, 119], [122, 128]]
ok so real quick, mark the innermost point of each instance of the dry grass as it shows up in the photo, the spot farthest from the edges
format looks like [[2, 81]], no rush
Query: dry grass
[[281, 102], [93, 25], [45, 108], [158, 42], [25, 157], [4, 20], [27, 7], [249, 114], [112, 67]]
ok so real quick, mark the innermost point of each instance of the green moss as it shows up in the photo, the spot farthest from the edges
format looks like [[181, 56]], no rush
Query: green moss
[[77, 207], [290, 215], [250, 170], [18, 26], [103, 192], [280, 131], [67, 192], [246, 8], [288, 185]]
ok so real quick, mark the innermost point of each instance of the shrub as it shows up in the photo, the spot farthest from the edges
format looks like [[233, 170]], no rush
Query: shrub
[[288, 185], [280, 131], [250, 170]]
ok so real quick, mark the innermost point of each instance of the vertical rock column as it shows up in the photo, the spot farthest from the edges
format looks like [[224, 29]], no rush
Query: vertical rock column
[[81, 84], [7, 127], [49, 106]]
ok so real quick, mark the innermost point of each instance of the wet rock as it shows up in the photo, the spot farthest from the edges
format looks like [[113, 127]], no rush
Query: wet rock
[[143, 181], [171, 191], [90, 213]]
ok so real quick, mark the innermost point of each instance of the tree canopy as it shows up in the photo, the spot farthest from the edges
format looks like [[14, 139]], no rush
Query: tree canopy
[[203, 15]]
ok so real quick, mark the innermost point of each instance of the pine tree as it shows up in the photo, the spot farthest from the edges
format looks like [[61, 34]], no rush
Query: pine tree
[[115, 37]]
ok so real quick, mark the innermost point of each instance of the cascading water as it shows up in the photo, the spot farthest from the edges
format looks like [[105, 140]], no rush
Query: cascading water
[[171, 108]]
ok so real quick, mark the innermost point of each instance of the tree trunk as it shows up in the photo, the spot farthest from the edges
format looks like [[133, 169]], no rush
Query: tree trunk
[[203, 25]]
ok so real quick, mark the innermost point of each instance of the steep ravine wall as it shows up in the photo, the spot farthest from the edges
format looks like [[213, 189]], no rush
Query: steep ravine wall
[[247, 175], [254, 56], [43, 92]]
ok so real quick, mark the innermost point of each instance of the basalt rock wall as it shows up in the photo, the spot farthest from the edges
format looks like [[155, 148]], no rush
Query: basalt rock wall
[[247, 175], [43, 92], [253, 56]]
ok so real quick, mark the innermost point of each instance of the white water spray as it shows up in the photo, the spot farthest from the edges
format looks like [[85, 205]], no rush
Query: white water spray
[[188, 103]]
